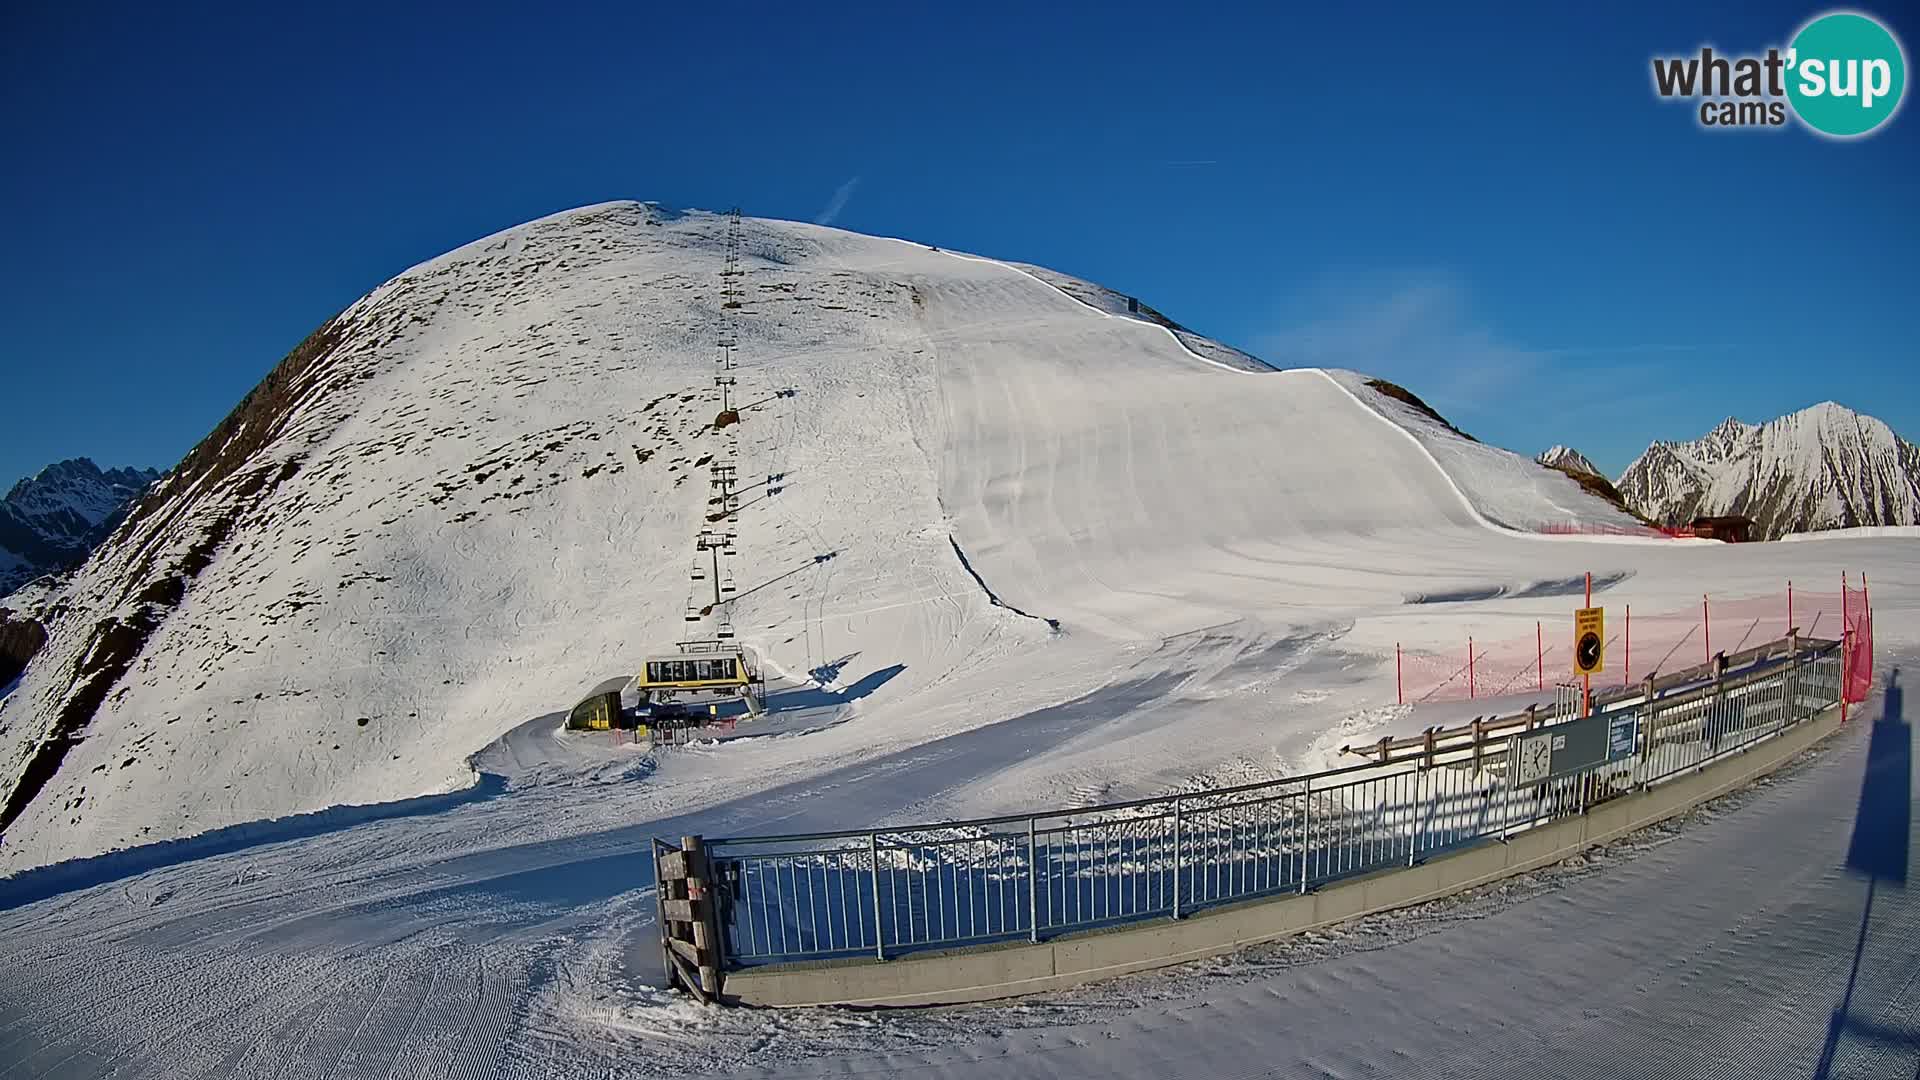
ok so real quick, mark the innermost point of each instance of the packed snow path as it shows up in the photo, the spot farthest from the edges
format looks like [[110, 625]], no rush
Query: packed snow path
[[1772, 935], [1740, 943]]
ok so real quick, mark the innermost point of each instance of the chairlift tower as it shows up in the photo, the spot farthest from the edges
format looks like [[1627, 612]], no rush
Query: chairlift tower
[[730, 274], [718, 537]]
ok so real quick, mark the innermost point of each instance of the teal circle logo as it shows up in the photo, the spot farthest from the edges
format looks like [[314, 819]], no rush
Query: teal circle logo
[[1845, 74]]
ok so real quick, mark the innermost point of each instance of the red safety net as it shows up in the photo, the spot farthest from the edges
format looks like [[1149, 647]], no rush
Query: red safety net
[[1859, 666], [1590, 528], [1639, 644]]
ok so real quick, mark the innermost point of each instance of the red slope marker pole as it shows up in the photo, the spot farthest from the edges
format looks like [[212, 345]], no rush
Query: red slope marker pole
[[1846, 669], [1399, 677], [1866, 601], [1540, 657]]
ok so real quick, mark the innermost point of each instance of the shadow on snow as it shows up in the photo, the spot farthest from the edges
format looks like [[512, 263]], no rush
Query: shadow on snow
[[1882, 837], [43, 882]]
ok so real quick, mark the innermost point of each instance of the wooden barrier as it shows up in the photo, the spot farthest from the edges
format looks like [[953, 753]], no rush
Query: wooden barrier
[[690, 938]]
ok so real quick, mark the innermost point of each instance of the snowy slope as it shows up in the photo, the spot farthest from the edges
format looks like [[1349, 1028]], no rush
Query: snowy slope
[[1107, 300], [1822, 467], [473, 495], [52, 519], [1505, 489]]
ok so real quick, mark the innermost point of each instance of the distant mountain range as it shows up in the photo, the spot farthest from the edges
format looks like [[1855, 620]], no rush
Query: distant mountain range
[[51, 520], [1824, 467]]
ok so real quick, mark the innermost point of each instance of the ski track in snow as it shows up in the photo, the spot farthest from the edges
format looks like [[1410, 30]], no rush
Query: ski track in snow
[[1228, 554]]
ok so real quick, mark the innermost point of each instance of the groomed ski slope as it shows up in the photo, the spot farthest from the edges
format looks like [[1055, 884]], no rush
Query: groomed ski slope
[[512, 936]]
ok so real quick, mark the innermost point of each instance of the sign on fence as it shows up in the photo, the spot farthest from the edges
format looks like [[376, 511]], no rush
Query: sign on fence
[[1574, 745], [1621, 733], [1589, 641]]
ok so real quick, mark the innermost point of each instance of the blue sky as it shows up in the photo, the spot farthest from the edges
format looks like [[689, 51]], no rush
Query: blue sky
[[1491, 208]]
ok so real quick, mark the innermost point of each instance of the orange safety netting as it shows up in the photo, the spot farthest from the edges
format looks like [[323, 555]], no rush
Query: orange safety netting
[[1858, 671], [1639, 644]]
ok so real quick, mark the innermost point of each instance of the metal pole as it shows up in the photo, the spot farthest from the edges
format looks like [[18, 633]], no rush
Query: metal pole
[[1793, 681], [1033, 886], [1846, 648], [1399, 677], [1413, 834], [1789, 605], [1539, 657], [879, 939], [1470, 688], [1586, 681], [1306, 832], [1626, 678], [1706, 625], [1176, 858], [1866, 601]]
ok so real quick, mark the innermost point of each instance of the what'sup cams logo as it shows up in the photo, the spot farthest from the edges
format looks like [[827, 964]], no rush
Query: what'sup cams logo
[[1843, 76]]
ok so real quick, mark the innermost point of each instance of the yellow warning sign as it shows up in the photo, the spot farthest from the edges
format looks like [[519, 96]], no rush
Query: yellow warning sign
[[1589, 641]]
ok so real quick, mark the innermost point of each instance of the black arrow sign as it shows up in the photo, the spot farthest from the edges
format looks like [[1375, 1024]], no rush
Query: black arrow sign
[[1588, 653]]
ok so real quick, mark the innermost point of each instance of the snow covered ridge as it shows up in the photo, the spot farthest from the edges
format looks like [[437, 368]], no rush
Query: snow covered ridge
[[1504, 489], [1823, 467], [50, 521], [1566, 457], [471, 495], [1101, 298]]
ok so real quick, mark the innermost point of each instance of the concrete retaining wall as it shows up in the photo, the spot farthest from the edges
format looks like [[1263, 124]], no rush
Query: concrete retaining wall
[[988, 972]]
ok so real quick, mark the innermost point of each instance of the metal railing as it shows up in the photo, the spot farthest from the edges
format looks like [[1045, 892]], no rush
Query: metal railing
[[887, 892]]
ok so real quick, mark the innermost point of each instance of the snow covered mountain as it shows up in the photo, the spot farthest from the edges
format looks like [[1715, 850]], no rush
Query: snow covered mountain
[[1823, 467], [52, 519], [1566, 457], [968, 491]]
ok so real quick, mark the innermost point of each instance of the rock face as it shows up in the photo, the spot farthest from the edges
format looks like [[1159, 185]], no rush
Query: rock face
[[1567, 459], [51, 520], [1824, 467]]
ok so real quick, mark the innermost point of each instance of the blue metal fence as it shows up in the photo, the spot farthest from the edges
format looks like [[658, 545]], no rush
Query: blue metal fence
[[886, 892]]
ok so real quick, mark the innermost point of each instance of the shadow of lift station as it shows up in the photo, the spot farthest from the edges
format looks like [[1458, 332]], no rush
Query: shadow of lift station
[[1879, 851]]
